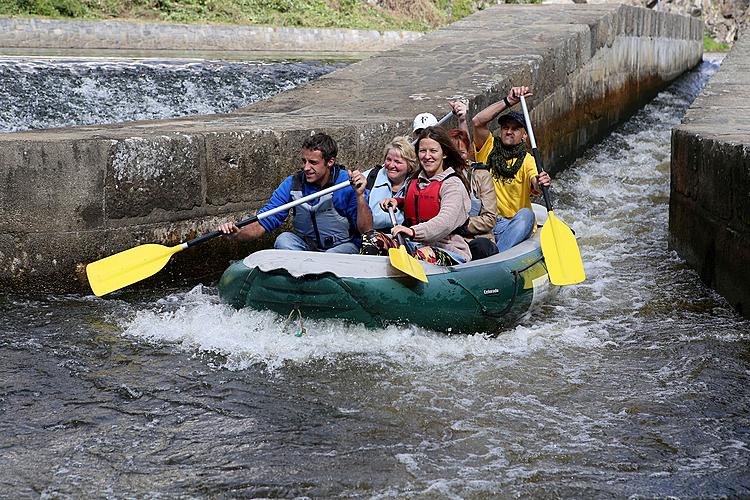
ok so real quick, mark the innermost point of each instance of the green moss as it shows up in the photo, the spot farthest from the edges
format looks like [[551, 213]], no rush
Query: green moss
[[711, 45]]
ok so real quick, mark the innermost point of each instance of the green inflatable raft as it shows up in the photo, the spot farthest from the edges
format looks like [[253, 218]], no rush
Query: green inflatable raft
[[481, 296]]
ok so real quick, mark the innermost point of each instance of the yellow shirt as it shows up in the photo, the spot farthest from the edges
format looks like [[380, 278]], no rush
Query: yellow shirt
[[512, 194]]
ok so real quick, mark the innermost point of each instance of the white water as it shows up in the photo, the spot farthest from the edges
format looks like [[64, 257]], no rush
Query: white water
[[615, 199], [633, 384], [37, 93]]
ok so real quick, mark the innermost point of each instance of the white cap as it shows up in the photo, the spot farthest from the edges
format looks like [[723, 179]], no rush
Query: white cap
[[424, 120]]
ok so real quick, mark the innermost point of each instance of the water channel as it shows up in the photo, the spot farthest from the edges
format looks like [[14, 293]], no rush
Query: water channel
[[631, 384]]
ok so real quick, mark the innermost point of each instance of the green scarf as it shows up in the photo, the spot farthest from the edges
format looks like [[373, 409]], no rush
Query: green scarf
[[497, 161]]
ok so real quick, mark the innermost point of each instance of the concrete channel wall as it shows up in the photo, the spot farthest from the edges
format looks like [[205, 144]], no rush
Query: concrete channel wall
[[114, 38], [72, 196], [709, 204]]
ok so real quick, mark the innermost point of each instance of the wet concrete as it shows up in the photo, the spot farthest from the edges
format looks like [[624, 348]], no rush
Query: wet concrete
[[709, 207], [71, 196]]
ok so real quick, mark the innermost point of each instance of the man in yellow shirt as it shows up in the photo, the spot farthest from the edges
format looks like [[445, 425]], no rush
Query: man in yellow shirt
[[513, 169]]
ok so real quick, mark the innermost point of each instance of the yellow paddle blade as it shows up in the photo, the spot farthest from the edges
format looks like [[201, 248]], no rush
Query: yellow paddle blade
[[401, 260], [561, 253], [127, 267]]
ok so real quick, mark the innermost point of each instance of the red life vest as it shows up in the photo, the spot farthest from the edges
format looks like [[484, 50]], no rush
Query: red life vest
[[421, 205]]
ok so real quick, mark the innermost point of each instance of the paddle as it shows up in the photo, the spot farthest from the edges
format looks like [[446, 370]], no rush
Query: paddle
[[559, 245], [138, 263], [400, 258], [441, 122]]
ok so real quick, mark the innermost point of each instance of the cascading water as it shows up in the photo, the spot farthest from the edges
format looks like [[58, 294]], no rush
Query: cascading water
[[39, 93], [631, 384]]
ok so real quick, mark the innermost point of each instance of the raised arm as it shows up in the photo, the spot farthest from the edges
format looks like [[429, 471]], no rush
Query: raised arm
[[481, 120], [459, 111]]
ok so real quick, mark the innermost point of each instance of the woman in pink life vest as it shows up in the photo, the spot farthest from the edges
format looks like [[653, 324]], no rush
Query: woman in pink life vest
[[436, 202]]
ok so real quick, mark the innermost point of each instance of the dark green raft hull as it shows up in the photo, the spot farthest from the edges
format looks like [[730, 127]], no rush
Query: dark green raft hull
[[481, 296]]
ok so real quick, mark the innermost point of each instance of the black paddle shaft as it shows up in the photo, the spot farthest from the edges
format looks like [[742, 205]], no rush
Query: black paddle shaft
[[540, 169], [214, 234], [399, 236]]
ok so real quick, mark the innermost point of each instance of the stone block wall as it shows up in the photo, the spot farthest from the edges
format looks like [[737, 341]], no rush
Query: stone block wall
[[72, 196], [118, 36], [709, 206]]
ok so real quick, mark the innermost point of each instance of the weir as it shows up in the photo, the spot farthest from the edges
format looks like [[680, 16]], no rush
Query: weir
[[709, 202], [72, 196]]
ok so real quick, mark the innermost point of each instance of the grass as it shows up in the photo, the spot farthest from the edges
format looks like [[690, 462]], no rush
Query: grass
[[417, 15], [711, 45]]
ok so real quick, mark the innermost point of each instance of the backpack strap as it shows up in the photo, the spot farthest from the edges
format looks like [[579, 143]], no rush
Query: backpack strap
[[374, 171]]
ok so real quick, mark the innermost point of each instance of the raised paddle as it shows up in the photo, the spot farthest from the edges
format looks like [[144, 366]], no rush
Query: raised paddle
[[138, 263], [559, 246], [400, 258]]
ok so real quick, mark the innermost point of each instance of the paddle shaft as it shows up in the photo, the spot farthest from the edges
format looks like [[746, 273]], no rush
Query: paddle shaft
[[400, 236], [255, 218], [535, 152]]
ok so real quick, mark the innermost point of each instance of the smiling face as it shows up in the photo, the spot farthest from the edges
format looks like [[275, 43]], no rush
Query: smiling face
[[512, 133], [431, 156], [317, 170], [395, 166], [461, 148]]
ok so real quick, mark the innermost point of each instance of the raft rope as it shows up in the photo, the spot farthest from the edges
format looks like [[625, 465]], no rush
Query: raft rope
[[301, 330]]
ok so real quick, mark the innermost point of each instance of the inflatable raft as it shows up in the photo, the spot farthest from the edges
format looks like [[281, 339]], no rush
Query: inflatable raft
[[480, 296]]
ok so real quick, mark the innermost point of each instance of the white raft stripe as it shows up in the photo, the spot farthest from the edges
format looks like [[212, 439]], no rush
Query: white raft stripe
[[300, 263]]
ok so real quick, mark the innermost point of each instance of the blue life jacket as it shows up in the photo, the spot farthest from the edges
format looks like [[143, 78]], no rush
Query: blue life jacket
[[320, 224], [379, 187]]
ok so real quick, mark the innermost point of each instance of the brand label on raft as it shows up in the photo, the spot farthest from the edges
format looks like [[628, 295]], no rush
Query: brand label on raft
[[491, 291]]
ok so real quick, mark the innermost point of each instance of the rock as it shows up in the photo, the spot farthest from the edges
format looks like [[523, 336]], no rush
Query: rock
[[724, 19]]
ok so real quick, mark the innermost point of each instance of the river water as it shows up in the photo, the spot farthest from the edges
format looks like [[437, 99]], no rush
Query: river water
[[38, 93], [634, 383]]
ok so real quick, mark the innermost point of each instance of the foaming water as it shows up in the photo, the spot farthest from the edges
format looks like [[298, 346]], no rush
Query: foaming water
[[38, 93], [197, 321], [632, 384]]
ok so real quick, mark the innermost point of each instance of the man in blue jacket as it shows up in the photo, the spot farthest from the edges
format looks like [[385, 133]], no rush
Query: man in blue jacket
[[330, 223]]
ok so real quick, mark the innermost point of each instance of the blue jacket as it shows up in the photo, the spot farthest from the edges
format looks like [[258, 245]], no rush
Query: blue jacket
[[344, 201], [380, 191]]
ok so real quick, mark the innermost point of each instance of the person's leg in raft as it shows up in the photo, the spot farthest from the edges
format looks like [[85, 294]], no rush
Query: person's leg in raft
[[510, 232], [482, 248], [349, 247], [290, 241]]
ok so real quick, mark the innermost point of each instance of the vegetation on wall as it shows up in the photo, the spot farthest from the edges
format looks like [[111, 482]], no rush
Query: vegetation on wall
[[711, 45], [419, 15]]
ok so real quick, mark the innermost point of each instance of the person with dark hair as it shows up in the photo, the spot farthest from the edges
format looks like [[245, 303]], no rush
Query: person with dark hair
[[422, 121], [331, 223], [436, 201], [513, 169], [478, 228]]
